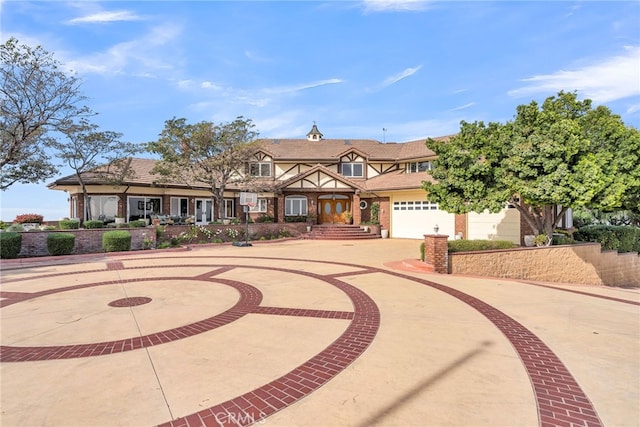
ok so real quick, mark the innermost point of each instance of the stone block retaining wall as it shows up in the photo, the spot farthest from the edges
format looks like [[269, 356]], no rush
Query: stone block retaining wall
[[583, 263]]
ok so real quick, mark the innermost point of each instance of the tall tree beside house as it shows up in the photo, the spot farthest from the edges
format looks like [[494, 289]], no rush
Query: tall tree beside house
[[207, 153], [85, 149], [37, 98], [562, 153]]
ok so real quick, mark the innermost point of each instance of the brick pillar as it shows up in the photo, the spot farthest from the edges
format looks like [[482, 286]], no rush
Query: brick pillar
[[461, 225], [355, 209], [280, 213], [436, 252]]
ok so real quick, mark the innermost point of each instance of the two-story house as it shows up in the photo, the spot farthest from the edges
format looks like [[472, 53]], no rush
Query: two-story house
[[330, 180]]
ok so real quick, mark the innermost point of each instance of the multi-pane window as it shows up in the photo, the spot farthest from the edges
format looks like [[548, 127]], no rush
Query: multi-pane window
[[352, 169], [260, 169], [295, 205], [417, 205], [419, 167], [179, 206], [103, 206], [261, 206]]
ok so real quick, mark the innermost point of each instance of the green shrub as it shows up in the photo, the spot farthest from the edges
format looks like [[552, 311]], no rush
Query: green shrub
[[60, 243], [422, 251], [138, 223], [69, 224], [612, 237], [265, 218], [15, 228], [10, 244], [122, 225], [116, 241], [93, 223], [464, 245], [299, 218]]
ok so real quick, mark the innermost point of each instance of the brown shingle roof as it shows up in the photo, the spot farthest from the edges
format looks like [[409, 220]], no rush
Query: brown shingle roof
[[397, 180], [301, 149]]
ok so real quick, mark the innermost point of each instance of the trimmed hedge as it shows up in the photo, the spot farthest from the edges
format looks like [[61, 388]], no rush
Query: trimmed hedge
[[619, 238], [60, 243], [93, 223], [69, 224], [464, 245], [10, 244], [116, 241], [138, 223]]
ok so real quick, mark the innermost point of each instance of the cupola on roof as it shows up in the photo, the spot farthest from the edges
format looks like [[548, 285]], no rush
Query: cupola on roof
[[314, 134]]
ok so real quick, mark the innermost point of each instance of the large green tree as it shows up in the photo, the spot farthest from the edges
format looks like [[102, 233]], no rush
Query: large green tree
[[562, 153], [37, 97], [85, 149], [206, 153]]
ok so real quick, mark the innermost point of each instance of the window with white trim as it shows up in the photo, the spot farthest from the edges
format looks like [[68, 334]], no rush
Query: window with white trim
[[260, 169], [353, 169], [415, 205], [419, 167], [295, 206], [261, 206], [179, 206], [103, 206]]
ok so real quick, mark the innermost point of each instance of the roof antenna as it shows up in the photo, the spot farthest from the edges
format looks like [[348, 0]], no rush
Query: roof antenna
[[384, 134]]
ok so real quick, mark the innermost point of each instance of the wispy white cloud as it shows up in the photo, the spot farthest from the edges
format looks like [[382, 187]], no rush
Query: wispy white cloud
[[106, 16], [302, 86], [372, 6], [144, 56], [396, 78], [463, 107], [260, 97], [633, 108], [209, 85], [607, 80]]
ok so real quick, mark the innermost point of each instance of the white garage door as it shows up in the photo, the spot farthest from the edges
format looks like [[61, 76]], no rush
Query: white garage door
[[504, 225], [412, 219]]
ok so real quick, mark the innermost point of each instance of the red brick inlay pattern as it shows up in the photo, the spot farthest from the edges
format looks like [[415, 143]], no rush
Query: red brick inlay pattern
[[258, 404], [249, 299], [130, 302], [559, 398]]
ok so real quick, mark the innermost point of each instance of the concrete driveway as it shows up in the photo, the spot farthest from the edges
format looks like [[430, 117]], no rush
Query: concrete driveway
[[308, 333]]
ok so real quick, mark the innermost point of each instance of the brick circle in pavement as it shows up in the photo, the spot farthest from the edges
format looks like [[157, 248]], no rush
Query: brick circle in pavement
[[130, 302], [560, 400]]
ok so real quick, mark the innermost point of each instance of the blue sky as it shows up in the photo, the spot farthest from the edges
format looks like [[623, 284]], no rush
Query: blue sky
[[413, 68]]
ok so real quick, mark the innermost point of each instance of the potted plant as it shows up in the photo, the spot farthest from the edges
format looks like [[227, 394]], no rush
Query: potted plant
[[348, 217]]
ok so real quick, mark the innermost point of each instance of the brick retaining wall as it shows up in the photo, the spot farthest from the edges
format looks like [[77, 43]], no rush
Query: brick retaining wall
[[34, 243], [583, 263]]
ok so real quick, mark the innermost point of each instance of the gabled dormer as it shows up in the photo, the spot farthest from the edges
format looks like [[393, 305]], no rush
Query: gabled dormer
[[314, 134]]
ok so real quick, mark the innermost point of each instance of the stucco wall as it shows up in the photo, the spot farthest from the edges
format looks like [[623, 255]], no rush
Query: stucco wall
[[584, 263]]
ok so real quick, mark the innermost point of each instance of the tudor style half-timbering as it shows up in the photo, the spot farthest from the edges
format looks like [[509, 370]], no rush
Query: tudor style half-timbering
[[329, 181]]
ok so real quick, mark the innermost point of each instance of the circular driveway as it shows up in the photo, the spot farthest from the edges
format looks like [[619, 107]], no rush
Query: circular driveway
[[307, 333]]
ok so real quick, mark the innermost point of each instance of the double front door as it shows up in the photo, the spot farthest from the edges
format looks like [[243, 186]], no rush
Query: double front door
[[204, 211], [332, 210]]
